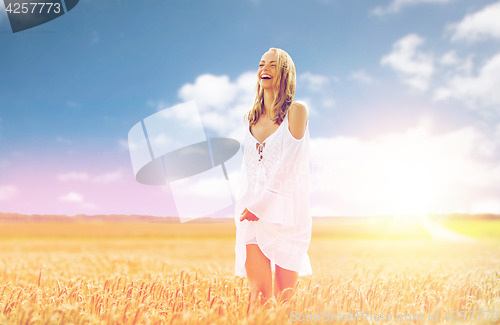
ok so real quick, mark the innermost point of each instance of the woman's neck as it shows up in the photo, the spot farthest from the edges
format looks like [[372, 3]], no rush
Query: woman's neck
[[268, 102]]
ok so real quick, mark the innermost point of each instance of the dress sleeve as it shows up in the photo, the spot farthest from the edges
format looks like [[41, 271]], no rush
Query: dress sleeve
[[275, 204]]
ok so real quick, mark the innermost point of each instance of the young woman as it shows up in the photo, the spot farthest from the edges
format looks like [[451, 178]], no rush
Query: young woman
[[272, 210]]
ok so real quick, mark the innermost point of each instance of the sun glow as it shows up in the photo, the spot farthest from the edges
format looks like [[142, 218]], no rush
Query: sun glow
[[413, 172], [408, 187]]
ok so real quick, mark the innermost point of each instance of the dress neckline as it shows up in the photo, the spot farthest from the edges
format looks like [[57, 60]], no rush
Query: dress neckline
[[263, 142]]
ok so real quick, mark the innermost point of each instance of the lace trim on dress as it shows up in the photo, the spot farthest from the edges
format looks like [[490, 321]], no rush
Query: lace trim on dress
[[266, 153]]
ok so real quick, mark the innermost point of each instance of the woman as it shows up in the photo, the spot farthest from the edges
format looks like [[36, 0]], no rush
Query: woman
[[272, 211]]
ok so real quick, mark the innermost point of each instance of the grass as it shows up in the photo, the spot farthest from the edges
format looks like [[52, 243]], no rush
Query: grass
[[475, 228], [184, 274]]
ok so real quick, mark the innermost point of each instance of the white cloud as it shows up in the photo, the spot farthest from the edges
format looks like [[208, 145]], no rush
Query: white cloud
[[72, 197], [414, 171], [216, 91], [451, 64], [103, 178], [222, 103], [487, 205], [477, 26], [7, 192], [476, 91], [314, 82], [361, 76], [396, 6], [449, 58], [77, 198], [415, 67], [466, 66]]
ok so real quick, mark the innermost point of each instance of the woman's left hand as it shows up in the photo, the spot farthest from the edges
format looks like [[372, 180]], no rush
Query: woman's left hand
[[247, 215]]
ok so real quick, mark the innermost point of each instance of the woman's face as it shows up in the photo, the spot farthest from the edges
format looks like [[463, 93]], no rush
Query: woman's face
[[267, 71]]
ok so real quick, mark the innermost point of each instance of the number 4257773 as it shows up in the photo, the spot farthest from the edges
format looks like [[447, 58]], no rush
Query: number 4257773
[[24, 8]]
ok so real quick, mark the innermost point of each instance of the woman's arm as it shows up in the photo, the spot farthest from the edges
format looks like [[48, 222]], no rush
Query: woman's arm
[[297, 118]]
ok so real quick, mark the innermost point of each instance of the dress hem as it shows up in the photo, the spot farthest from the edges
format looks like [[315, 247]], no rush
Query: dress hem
[[272, 262]]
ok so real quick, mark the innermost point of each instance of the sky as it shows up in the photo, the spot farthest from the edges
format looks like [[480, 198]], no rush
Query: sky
[[403, 99]]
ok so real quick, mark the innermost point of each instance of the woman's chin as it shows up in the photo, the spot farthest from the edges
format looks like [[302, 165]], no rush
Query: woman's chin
[[266, 85]]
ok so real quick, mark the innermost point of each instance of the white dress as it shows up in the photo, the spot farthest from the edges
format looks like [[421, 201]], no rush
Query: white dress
[[274, 185]]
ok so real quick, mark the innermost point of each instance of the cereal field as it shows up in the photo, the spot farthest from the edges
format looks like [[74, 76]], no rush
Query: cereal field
[[147, 273]]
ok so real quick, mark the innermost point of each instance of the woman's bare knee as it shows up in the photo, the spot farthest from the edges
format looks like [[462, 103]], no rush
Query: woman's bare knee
[[259, 273]]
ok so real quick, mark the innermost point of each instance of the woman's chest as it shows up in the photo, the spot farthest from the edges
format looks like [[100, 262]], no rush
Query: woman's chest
[[263, 129], [262, 155]]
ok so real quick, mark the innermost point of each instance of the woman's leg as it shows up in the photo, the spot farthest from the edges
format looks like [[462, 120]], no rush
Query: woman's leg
[[259, 274], [284, 279]]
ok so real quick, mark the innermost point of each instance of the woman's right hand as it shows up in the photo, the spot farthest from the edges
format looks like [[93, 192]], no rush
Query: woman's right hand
[[247, 215]]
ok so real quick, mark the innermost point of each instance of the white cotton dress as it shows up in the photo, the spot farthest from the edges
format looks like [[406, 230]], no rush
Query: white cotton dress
[[274, 185]]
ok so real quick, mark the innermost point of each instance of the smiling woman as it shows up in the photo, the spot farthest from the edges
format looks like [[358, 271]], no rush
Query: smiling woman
[[272, 212]]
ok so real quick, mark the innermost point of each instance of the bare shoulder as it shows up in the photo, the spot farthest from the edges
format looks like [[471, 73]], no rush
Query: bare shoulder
[[299, 109], [297, 118]]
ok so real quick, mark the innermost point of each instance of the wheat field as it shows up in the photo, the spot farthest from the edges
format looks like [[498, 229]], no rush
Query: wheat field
[[131, 273]]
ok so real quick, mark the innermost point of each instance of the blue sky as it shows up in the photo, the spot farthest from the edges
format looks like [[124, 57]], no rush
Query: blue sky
[[378, 76]]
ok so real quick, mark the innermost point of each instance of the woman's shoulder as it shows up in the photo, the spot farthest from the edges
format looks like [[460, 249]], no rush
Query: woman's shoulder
[[298, 114], [298, 111], [300, 104]]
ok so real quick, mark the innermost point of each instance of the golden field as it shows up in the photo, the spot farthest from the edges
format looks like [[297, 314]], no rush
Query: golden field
[[165, 273]]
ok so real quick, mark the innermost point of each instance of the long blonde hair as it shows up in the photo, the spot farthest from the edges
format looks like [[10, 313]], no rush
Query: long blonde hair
[[284, 90]]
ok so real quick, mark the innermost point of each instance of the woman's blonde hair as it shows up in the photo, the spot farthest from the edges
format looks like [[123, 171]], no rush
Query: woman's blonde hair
[[283, 92]]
